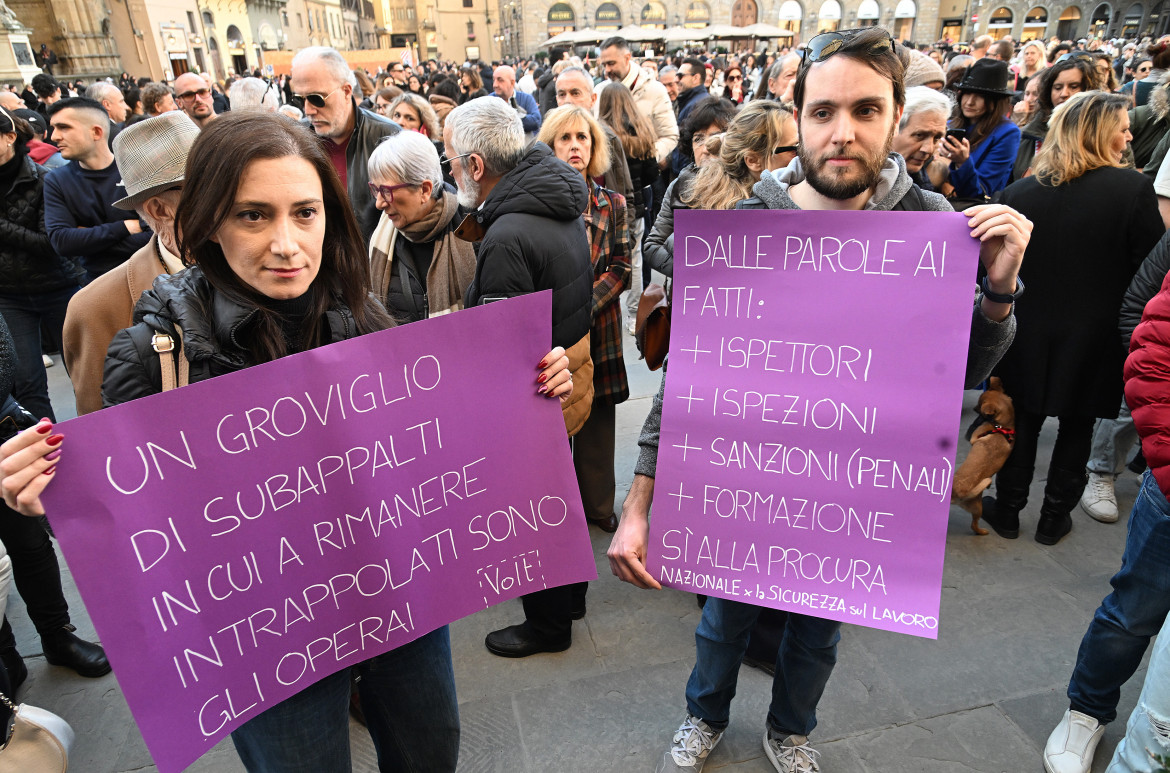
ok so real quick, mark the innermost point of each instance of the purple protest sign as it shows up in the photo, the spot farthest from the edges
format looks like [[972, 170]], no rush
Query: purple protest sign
[[811, 409], [241, 538]]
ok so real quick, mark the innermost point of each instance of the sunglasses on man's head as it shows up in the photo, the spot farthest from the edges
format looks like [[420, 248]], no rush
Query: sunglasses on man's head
[[824, 45], [1077, 56]]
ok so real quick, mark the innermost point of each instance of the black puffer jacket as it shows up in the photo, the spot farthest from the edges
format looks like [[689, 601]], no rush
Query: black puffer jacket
[[212, 325], [1144, 286], [536, 241], [28, 263]]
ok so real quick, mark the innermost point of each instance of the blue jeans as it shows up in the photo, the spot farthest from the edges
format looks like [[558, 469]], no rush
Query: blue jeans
[[408, 698], [27, 315], [804, 662], [1148, 730], [1129, 616]]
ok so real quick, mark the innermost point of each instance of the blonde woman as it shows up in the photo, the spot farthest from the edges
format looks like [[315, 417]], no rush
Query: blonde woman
[[1094, 222], [577, 138], [761, 137]]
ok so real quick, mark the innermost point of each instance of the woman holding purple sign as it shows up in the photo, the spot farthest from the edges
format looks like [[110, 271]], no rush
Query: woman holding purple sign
[[279, 268]]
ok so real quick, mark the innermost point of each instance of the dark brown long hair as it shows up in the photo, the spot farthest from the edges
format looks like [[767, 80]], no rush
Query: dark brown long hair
[[214, 167], [994, 113], [619, 111]]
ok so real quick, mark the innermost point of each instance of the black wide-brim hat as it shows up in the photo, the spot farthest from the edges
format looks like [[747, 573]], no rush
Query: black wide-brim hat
[[986, 76]]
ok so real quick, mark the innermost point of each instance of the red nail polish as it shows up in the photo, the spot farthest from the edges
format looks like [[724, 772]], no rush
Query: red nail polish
[[543, 378], [542, 365], [50, 471], [44, 429], [51, 456], [55, 440]]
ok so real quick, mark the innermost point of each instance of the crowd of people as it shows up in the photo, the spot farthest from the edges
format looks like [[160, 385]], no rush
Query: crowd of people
[[248, 220]]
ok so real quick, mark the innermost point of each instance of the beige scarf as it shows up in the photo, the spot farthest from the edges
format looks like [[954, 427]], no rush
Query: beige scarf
[[452, 267]]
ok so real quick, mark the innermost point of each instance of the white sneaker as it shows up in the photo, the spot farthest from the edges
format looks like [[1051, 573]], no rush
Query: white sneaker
[[1071, 746], [791, 754], [47, 360], [1099, 499], [694, 740]]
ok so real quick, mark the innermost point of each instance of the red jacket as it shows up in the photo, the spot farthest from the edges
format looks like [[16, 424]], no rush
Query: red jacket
[[1147, 384]]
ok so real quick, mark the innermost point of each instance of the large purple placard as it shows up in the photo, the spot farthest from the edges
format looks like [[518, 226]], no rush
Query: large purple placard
[[811, 410], [241, 538]]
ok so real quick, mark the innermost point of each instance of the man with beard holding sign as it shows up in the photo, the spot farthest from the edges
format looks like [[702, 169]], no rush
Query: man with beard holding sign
[[849, 97]]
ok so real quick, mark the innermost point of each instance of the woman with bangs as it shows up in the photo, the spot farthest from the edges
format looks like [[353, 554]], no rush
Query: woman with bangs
[[982, 159], [577, 138], [1066, 360]]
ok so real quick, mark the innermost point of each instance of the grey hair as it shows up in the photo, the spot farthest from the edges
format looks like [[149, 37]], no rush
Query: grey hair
[[490, 128], [251, 92], [101, 90], [292, 111], [408, 157], [581, 70], [922, 99], [336, 63], [667, 70]]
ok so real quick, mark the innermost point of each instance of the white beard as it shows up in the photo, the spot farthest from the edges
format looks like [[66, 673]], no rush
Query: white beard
[[467, 193]]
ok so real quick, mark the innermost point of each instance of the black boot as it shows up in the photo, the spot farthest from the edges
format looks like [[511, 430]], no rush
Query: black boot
[[63, 648], [1002, 512], [1061, 494]]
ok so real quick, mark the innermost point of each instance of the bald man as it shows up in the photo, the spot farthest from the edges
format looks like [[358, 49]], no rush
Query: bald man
[[193, 96], [504, 83], [10, 100]]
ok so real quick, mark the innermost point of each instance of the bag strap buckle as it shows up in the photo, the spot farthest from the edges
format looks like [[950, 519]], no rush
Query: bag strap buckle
[[161, 342]]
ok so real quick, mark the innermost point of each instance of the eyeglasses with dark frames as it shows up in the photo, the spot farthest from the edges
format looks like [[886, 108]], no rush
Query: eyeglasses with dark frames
[[387, 191], [824, 45], [785, 149], [187, 96], [317, 100]]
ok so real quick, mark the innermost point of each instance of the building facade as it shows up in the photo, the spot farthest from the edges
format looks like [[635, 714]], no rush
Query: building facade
[[525, 24], [77, 31]]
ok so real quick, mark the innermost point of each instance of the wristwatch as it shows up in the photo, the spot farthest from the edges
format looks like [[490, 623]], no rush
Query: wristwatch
[[991, 295]]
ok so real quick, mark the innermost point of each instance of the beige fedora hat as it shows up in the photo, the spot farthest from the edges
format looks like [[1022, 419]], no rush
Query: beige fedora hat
[[152, 155]]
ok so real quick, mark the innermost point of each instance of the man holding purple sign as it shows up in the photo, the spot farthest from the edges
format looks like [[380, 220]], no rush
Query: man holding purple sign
[[849, 96]]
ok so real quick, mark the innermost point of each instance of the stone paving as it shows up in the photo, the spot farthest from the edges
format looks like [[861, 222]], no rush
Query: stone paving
[[983, 697]]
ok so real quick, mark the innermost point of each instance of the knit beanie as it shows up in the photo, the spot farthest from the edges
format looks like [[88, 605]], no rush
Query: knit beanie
[[923, 70]]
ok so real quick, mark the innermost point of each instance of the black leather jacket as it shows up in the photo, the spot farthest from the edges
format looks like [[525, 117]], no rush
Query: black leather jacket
[[368, 130], [28, 263], [212, 323]]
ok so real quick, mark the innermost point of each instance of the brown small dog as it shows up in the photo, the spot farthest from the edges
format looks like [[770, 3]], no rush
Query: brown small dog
[[991, 444]]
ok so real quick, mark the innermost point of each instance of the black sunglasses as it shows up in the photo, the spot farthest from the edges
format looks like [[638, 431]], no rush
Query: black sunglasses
[[822, 46], [317, 100], [1078, 56], [785, 149]]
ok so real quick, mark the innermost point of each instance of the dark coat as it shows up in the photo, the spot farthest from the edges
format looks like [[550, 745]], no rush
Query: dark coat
[[28, 262], [536, 241], [1089, 236], [133, 368], [1143, 287], [547, 92]]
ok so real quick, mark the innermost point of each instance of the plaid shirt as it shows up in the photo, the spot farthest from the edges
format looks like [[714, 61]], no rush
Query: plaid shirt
[[605, 222]]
